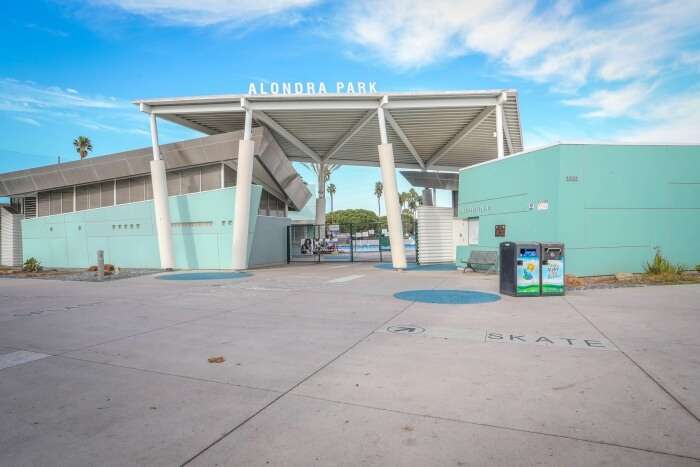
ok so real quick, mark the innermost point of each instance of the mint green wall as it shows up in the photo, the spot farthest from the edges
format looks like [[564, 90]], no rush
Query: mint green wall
[[500, 193], [72, 240], [627, 200]]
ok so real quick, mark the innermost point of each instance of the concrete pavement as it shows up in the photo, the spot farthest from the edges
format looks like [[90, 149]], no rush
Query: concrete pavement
[[117, 373]]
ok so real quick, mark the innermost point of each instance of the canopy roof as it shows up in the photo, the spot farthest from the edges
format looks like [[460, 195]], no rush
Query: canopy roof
[[439, 180], [271, 168], [442, 131]]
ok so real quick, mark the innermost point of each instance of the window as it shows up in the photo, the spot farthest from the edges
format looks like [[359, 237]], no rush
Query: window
[[30, 207], [67, 200], [149, 188], [44, 203], [55, 202], [229, 176], [270, 205], [173, 183], [191, 180], [94, 195], [137, 189], [107, 194], [473, 230], [122, 191], [211, 177]]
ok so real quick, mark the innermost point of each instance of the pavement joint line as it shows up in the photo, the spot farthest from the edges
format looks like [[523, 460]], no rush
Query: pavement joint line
[[165, 373], [640, 367], [498, 427], [292, 388]]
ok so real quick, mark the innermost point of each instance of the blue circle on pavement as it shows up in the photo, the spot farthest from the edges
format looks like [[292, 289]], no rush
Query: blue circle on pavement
[[203, 276], [421, 267], [447, 296]]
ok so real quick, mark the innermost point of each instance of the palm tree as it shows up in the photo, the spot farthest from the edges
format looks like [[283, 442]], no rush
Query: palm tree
[[331, 191], [82, 145], [403, 198], [378, 191], [414, 200]]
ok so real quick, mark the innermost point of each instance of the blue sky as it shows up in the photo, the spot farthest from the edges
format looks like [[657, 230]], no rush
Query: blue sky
[[626, 70]]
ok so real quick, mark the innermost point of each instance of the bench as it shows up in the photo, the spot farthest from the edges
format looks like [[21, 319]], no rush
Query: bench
[[480, 261]]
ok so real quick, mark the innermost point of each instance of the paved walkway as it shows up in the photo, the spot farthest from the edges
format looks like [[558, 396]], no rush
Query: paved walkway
[[323, 366]]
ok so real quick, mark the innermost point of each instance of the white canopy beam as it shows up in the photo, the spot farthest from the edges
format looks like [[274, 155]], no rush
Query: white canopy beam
[[437, 103], [269, 122], [506, 131], [347, 136], [404, 138], [463, 133], [196, 108]]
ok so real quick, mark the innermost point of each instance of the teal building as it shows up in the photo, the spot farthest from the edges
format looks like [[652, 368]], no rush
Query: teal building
[[611, 205], [65, 213]]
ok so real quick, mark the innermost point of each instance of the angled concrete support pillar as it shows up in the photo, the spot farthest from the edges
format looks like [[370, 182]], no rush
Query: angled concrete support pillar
[[160, 202], [391, 196], [499, 126], [244, 182], [321, 200]]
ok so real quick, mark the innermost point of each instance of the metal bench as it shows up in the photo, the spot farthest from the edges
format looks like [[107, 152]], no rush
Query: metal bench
[[482, 261]]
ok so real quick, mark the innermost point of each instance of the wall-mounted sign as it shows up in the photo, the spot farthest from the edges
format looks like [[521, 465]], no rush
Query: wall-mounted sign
[[311, 88], [477, 209], [500, 230], [572, 178], [543, 205]]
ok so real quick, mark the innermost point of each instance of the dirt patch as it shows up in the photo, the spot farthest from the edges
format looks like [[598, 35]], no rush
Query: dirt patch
[[630, 280], [74, 274]]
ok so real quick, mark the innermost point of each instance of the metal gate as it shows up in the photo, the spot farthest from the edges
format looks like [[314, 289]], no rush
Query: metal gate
[[309, 243]]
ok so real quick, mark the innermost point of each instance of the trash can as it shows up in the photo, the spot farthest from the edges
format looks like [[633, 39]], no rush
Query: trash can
[[520, 268], [552, 268]]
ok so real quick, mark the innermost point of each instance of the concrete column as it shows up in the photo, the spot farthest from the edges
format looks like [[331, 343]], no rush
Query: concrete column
[[455, 203], [160, 202], [321, 200], [391, 196], [499, 130], [244, 182], [427, 197]]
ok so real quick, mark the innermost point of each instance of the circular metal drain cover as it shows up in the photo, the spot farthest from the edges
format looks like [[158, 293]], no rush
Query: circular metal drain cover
[[447, 297], [203, 276]]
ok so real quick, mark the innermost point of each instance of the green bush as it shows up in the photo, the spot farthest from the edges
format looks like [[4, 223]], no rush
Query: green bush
[[662, 266], [697, 267], [32, 265]]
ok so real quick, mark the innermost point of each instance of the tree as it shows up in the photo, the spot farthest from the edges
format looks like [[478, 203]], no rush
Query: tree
[[403, 198], [82, 145], [361, 219], [378, 191], [331, 191], [414, 200]]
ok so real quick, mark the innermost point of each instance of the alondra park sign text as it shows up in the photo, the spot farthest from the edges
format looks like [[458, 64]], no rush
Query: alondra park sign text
[[311, 88]]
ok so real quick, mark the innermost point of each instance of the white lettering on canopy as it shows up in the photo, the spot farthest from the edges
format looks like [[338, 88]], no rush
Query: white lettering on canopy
[[310, 88]]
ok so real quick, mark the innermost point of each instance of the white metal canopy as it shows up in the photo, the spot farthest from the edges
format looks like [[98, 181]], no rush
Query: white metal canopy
[[429, 131]]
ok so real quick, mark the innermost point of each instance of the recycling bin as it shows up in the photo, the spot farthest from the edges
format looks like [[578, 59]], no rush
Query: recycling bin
[[520, 268], [552, 268]]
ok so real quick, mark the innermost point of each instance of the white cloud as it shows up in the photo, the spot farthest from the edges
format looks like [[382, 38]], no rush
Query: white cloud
[[672, 120], [207, 12], [25, 96], [28, 121], [617, 103], [626, 39]]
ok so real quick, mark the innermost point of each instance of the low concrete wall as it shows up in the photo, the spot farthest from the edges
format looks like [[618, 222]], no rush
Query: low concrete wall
[[270, 241]]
